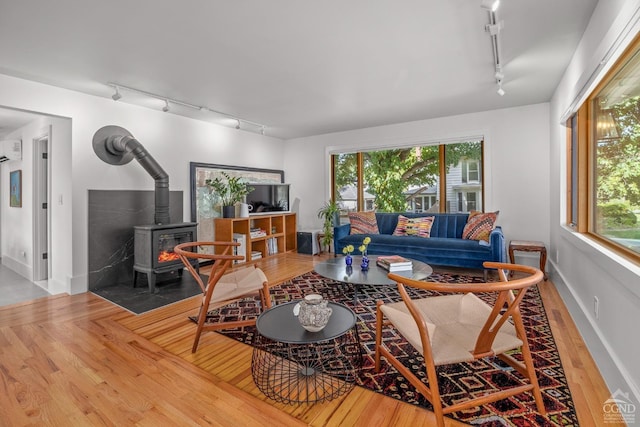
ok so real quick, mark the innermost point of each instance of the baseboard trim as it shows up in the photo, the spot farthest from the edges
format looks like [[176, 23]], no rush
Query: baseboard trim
[[20, 268], [610, 366]]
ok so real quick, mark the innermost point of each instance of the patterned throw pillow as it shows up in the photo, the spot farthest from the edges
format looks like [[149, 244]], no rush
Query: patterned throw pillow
[[479, 225], [420, 227], [363, 223]]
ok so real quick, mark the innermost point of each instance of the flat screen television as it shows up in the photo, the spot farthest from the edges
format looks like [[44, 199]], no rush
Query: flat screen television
[[269, 198]]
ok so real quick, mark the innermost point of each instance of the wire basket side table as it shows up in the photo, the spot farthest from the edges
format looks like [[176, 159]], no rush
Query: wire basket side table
[[292, 365]]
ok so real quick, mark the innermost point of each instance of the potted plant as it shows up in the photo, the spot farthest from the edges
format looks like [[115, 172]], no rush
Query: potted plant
[[330, 214], [230, 190]]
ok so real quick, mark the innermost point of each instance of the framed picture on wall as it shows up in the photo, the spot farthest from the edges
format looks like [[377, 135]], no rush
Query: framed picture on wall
[[204, 203], [15, 193]]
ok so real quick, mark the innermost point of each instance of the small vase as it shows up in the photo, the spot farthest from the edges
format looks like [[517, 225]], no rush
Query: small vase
[[348, 260], [314, 313], [365, 263]]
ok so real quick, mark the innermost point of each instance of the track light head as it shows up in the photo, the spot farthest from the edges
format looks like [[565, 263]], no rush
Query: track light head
[[166, 106], [490, 5], [494, 29], [262, 130], [116, 96], [499, 76], [500, 90], [238, 124]]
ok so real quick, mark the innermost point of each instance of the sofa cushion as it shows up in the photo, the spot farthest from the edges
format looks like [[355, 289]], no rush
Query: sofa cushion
[[479, 225], [420, 227], [363, 223]]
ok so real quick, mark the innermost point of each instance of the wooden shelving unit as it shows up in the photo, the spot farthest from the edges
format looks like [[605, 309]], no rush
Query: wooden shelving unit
[[280, 231]]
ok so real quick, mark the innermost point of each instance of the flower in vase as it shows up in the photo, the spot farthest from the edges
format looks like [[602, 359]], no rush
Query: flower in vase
[[348, 249], [363, 247]]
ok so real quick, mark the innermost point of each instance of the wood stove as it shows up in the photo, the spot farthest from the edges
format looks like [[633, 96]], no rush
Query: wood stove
[[153, 244], [153, 249]]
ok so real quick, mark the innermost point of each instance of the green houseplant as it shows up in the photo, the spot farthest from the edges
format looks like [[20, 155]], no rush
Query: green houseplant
[[230, 190], [330, 214]]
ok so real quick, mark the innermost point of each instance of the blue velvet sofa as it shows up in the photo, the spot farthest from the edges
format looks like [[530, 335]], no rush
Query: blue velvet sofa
[[445, 247]]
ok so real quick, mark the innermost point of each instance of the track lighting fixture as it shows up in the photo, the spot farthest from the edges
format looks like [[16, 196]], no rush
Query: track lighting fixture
[[248, 125], [490, 5], [494, 28], [116, 96]]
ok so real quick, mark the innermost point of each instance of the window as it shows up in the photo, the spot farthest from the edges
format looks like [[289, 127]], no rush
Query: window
[[470, 170], [603, 150], [410, 179], [345, 182]]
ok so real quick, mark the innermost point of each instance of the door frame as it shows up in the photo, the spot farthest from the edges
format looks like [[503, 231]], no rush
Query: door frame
[[42, 217]]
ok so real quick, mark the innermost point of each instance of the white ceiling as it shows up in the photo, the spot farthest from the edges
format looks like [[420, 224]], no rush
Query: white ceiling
[[298, 67]]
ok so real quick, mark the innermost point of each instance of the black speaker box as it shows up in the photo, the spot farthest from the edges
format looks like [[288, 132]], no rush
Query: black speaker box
[[305, 242]]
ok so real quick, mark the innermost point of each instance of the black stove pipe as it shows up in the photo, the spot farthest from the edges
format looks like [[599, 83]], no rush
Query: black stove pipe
[[117, 146]]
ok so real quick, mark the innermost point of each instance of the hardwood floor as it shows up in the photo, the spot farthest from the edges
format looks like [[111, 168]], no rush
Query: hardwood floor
[[80, 360]]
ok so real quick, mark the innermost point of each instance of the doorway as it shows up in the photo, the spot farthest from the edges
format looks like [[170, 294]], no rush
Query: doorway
[[41, 203]]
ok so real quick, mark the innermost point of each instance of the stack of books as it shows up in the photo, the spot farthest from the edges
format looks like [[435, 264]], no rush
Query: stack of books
[[242, 249], [257, 232], [272, 246], [394, 263], [255, 255]]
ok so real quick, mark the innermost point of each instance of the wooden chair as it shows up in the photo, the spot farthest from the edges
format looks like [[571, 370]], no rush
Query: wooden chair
[[462, 328], [223, 287]]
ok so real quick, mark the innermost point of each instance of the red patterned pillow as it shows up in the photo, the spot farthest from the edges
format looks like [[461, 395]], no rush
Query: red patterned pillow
[[479, 225], [420, 227], [363, 223]]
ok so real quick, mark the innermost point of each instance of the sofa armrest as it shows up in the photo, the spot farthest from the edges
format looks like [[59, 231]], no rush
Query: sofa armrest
[[338, 233], [498, 246]]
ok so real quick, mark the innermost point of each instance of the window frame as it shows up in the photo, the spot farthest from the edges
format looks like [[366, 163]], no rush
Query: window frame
[[581, 181], [442, 190]]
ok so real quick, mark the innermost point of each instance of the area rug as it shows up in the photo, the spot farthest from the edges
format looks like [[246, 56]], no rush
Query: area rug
[[456, 381]]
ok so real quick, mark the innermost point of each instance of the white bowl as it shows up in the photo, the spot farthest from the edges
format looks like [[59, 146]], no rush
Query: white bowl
[[314, 328]]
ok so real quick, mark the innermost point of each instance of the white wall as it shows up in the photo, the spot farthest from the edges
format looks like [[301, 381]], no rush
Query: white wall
[[172, 140], [516, 163], [582, 268]]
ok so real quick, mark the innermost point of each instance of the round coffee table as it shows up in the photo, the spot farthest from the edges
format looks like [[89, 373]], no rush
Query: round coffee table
[[336, 269], [292, 365]]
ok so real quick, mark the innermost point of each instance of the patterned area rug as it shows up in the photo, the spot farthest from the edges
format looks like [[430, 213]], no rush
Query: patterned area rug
[[456, 381]]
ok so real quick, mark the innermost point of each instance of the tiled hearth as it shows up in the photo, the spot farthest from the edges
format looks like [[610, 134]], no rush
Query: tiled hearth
[[112, 216]]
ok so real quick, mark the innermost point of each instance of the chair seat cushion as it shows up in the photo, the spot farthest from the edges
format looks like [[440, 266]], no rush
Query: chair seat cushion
[[238, 283], [454, 323]]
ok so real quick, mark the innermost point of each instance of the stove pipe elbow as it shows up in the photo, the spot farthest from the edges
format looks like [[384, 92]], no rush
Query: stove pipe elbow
[[117, 146]]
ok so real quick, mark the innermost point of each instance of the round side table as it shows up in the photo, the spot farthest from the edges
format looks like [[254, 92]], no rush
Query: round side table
[[293, 365]]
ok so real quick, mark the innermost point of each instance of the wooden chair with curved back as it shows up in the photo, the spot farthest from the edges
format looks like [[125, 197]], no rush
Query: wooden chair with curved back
[[222, 287], [460, 327]]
